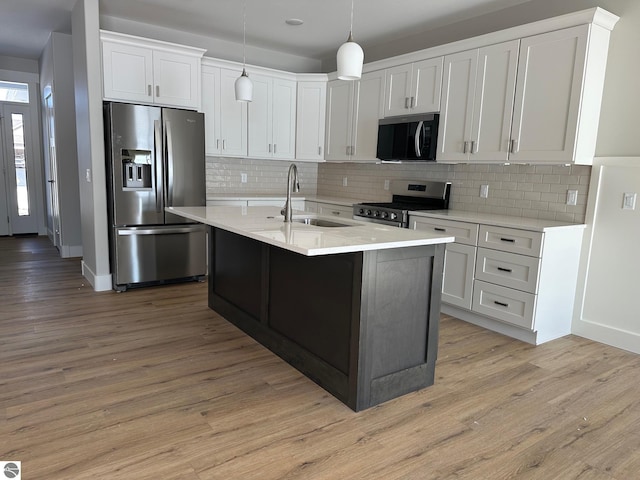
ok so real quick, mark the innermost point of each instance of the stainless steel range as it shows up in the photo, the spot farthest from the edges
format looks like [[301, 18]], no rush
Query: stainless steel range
[[408, 195]]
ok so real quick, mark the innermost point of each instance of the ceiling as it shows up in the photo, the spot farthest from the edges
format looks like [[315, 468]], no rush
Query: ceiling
[[25, 24]]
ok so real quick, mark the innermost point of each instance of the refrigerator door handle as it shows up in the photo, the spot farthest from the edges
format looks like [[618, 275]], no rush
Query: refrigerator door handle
[[156, 231], [157, 137], [170, 159]]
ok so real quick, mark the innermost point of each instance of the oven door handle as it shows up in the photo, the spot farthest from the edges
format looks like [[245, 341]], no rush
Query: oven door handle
[[417, 138]]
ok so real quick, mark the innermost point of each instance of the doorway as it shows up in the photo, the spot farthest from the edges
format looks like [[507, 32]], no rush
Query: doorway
[[18, 208]]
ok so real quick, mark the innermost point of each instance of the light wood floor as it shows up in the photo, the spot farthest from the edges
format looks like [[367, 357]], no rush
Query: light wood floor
[[151, 384]]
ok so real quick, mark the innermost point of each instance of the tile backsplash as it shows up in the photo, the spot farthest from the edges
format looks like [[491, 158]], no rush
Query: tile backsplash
[[532, 191], [224, 176]]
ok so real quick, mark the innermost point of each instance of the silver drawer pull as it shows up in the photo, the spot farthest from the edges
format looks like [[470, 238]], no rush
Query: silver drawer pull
[[335, 212], [510, 240], [438, 229], [502, 269], [502, 304]]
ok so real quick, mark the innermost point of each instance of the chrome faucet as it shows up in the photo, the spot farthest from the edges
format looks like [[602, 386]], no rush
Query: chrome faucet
[[292, 184]]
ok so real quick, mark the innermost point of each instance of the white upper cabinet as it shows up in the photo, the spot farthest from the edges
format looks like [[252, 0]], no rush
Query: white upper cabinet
[[272, 118], [225, 118], [413, 88], [353, 112], [310, 121], [145, 71], [477, 104], [555, 120]]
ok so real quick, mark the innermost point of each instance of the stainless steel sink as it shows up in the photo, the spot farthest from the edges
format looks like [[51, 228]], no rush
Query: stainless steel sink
[[320, 222]]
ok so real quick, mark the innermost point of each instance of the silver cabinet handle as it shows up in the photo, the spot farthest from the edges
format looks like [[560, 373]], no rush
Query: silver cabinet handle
[[274, 148], [406, 102], [335, 212], [157, 90], [217, 144], [412, 104], [464, 147], [269, 148], [224, 144], [513, 146], [319, 150], [417, 138], [473, 146], [149, 90]]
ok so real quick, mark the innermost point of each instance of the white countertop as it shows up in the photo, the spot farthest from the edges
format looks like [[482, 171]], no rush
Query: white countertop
[[507, 221], [265, 224]]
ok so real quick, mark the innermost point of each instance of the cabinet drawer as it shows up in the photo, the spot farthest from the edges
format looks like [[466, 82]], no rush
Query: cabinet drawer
[[335, 210], [508, 269], [511, 240], [506, 304], [465, 233]]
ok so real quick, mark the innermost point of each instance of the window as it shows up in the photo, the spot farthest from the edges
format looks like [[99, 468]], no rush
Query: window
[[14, 92]]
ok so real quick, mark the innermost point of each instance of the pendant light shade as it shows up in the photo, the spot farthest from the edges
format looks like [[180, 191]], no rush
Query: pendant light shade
[[350, 57], [244, 85]]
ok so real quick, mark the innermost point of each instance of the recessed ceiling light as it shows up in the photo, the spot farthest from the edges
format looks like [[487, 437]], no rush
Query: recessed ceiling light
[[294, 22]]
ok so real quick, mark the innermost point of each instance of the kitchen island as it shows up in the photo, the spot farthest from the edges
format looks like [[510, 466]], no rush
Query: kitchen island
[[354, 306]]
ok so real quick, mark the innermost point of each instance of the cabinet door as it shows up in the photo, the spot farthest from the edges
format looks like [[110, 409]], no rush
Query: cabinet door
[[331, 209], [284, 118], [456, 114], [548, 92], [260, 118], [211, 109], [397, 90], [457, 282], [368, 111], [426, 86], [176, 79], [233, 117], [310, 121], [128, 72], [493, 102], [339, 119]]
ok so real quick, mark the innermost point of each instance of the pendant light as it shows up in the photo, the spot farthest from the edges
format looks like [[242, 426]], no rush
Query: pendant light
[[350, 57], [243, 85]]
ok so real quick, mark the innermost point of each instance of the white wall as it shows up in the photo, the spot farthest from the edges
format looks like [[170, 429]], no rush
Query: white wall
[[15, 64], [216, 47], [56, 76], [89, 125]]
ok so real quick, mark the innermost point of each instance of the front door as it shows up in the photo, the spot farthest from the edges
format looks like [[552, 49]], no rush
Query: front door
[[18, 205]]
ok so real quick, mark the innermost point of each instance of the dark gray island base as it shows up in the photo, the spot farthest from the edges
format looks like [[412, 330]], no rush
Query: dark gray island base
[[362, 325]]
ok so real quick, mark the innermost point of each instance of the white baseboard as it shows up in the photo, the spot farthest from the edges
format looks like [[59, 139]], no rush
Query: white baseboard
[[606, 334], [100, 283]]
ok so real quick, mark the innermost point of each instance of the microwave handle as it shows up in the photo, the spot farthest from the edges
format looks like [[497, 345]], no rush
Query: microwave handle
[[417, 138]]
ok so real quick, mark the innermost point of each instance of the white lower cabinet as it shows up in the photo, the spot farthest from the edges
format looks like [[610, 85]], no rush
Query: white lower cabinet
[[517, 281], [331, 209]]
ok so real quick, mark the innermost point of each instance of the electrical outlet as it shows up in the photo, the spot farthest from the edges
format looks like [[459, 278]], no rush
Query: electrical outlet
[[629, 201], [344, 181], [386, 184], [484, 191], [243, 178], [572, 197]]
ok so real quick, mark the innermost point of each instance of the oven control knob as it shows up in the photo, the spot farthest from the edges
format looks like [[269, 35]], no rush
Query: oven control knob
[[384, 215], [368, 213], [376, 213], [393, 216], [361, 211]]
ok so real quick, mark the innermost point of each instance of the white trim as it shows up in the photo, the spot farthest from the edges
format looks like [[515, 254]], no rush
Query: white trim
[[606, 334], [126, 39], [100, 283], [70, 251]]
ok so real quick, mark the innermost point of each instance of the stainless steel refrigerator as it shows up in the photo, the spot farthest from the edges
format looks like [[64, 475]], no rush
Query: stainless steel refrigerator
[[155, 158]]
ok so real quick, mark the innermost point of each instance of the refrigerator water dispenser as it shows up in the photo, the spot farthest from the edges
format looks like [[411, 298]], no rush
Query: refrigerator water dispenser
[[136, 170]]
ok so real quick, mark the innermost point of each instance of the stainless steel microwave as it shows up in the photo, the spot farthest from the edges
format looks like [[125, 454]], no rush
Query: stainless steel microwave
[[408, 138]]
